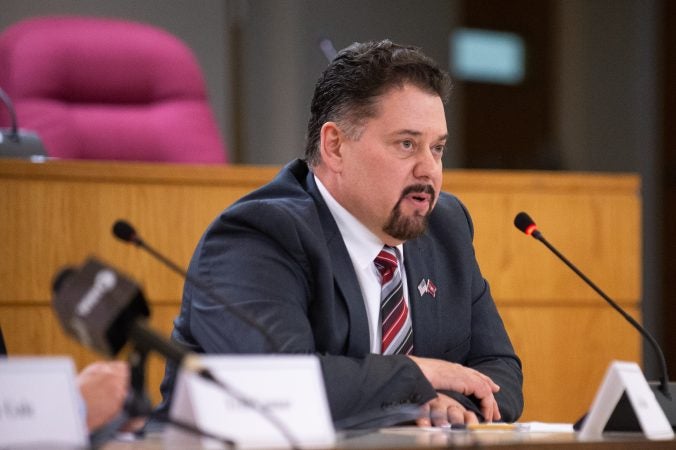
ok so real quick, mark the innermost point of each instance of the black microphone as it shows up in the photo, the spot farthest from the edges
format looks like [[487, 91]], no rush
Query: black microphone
[[103, 309], [124, 231], [664, 389], [15, 142]]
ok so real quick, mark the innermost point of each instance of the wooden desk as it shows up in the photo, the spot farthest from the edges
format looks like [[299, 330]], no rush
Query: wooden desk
[[57, 213], [414, 439]]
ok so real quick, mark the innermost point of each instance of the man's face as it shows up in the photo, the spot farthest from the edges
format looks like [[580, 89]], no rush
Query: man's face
[[391, 174]]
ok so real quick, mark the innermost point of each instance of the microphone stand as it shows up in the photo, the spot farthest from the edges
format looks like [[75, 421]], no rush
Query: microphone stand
[[15, 142], [623, 418], [138, 404]]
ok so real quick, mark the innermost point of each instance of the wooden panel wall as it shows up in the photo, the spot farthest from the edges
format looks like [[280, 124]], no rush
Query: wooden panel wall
[[56, 214]]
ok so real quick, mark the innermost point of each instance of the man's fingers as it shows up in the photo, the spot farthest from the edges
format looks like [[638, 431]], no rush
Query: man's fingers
[[475, 383], [424, 419], [479, 389], [445, 375], [489, 409], [455, 414], [470, 417], [444, 410], [491, 384], [487, 404]]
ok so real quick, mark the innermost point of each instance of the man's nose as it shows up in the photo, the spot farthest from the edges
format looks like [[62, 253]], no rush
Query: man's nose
[[426, 165]]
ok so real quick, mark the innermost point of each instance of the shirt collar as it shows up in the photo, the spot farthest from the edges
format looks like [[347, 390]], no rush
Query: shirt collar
[[362, 245]]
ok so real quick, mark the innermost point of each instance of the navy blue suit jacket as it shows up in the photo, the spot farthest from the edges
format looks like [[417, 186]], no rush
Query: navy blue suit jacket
[[278, 255]]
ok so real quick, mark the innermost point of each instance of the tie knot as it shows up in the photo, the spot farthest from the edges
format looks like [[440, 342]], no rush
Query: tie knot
[[387, 262]]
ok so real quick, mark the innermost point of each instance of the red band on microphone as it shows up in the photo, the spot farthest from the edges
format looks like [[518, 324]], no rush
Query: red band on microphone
[[531, 228]]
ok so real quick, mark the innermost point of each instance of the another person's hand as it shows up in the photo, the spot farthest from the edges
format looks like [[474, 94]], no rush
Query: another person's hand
[[444, 375], [104, 387], [444, 410]]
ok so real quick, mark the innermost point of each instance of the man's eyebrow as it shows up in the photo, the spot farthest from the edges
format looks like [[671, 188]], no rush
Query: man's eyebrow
[[406, 132]]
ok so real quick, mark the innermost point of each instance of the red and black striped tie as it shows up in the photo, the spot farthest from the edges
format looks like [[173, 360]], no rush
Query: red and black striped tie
[[395, 320]]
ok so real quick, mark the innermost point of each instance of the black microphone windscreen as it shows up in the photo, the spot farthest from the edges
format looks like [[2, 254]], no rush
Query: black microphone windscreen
[[61, 277], [523, 222], [97, 305], [124, 231]]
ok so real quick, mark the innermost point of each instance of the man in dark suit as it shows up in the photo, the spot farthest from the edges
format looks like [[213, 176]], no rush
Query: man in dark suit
[[355, 255]]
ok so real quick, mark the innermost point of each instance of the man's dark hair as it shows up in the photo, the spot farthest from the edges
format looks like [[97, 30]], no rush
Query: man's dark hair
[[347, 91]]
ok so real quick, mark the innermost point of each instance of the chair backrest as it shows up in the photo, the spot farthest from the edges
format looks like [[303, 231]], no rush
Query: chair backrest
[[97, 88]]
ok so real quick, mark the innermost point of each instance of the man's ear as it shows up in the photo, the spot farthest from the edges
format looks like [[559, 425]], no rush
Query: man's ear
[[331, 146]]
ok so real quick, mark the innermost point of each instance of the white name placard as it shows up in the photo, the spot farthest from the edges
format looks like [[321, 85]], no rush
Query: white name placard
[[620, 377], [39, 404], [288, 387]]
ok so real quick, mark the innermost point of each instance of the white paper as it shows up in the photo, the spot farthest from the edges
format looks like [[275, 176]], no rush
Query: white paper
[[546, 427]]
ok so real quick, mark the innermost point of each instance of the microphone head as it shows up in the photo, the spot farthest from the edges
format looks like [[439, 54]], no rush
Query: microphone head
[[61, 277], [97, 305], [527, 225], [125, 232]]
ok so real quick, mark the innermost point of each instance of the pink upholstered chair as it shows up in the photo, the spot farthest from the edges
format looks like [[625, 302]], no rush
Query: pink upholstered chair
[[96, 88]]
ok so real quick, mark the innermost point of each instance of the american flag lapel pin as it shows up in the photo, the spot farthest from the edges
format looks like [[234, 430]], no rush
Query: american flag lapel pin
[[426, 286], [422, 287]]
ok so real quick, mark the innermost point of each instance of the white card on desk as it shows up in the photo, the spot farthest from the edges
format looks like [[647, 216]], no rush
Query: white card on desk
[[289, 387], [39, 403], [620, 377]]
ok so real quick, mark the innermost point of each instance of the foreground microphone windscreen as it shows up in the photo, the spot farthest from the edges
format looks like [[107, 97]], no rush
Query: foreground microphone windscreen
[[97, 305], [64, 274]]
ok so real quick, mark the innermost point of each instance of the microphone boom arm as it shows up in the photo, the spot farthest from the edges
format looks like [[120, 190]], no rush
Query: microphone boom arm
[[664, 379], [523, 222]]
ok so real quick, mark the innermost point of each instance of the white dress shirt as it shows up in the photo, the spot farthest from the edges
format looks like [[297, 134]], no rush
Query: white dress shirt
[[363, 246]]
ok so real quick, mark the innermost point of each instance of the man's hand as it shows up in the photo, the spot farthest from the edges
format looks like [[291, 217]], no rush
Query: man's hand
[[104, 387], [444, 410], [444, 375]]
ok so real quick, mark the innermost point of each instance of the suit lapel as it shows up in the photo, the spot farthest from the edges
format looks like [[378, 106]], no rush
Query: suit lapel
[[424, 307], [344, 276]]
